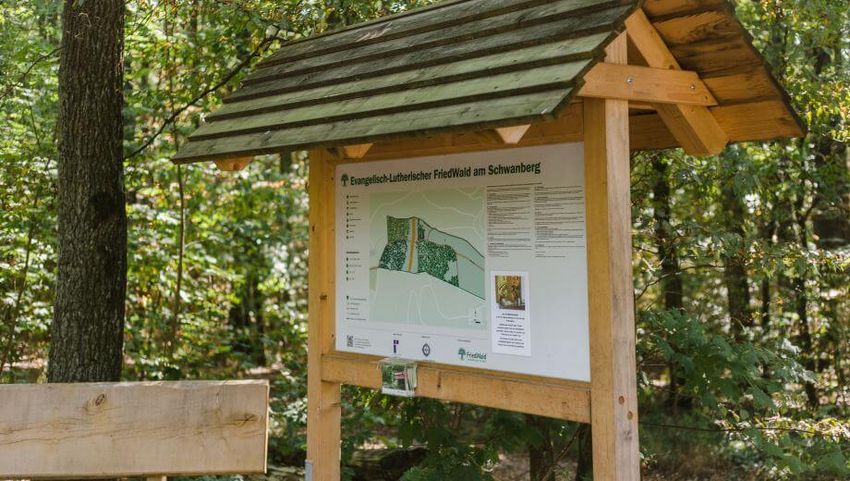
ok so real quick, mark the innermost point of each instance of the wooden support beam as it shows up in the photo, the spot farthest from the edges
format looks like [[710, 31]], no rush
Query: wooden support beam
[[145, 429], [323, 397], [569, 400], [647, 133], [613, 393], [564, 129], [694, 127], [233, 165], [357, 151], [645, 84], [512, 135]]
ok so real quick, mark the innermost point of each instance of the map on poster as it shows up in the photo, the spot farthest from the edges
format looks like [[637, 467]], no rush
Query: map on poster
[[469, 259]]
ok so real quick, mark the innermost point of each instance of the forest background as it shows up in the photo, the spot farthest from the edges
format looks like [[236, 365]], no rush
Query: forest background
[[741, 261]]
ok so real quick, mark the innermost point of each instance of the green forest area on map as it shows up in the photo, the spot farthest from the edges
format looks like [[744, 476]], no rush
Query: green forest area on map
[[414, 246]]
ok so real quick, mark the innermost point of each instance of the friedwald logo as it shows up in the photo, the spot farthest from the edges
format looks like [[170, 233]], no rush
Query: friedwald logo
[[344, 180], [471, 356], [426, 350]]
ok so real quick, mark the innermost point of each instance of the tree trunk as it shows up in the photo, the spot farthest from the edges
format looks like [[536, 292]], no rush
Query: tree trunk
[[832, 159], [88, 319], [584, 458], [247, 320], [671, 276], [541, 458], [801, 304], [735, 256]]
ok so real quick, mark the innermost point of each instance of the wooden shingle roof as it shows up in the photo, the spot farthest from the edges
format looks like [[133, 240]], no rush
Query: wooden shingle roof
[[468, 65]]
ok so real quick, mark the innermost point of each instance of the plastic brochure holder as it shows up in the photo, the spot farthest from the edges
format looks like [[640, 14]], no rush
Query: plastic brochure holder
[[398, 377]]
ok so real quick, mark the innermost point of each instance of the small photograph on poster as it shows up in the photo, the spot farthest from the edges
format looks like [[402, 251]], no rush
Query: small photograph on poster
[[509, 292], [510, 313]]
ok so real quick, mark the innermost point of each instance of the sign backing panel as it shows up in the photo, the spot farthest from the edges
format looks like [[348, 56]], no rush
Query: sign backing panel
[[475, 260]]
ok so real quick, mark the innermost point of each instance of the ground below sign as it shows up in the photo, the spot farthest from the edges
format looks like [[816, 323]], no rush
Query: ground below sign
[[470, 259]]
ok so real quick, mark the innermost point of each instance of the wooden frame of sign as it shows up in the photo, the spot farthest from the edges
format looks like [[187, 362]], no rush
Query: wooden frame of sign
[[608, 402]]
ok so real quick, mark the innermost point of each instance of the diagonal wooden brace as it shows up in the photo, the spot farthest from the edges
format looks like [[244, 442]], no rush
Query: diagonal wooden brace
[[693, 126]]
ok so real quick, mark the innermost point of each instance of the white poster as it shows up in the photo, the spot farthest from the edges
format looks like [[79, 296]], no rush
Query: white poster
[[473, 259]]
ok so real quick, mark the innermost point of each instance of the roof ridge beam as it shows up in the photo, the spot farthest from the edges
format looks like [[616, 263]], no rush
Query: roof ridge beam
[[693, 126]]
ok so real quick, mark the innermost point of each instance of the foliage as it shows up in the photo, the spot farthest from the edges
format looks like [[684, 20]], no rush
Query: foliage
[[763, 396]]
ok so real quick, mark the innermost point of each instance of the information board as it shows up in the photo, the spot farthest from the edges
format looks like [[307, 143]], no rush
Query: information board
[[476, 260]]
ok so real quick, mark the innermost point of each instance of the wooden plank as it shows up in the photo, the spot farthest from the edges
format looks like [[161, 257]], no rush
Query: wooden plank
[[764, 120], [694, 127], [614, 418], [717, 57], [648, 43], [657, 8], [569, 400], [713, 42], [574, 45], [567, 128], [234, 164], [323, 397], [698, 27], [472, 116], [561, 52], [509, 84], [749, 86], [560, 11], [142, 429], [648, 132], [436, 17], [629, 82], [512, 135]]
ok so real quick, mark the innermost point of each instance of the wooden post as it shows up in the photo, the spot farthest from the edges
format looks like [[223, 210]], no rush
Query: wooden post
[[610, 293], [323, 398]]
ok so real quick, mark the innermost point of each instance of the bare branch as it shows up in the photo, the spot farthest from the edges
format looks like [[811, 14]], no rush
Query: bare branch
[[23, 78], [261, 48]]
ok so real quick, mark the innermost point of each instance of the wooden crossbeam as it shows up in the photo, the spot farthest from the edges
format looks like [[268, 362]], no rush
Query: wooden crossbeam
[[569, 400], [149, 429], [645, 84], [693, 126]]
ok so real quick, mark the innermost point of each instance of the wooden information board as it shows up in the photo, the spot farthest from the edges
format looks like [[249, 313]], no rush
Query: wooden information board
[[608, 400], [479, 78]]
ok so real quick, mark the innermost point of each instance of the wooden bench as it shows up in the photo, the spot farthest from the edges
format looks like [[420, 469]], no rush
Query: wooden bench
[[147, 429]]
